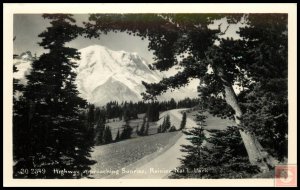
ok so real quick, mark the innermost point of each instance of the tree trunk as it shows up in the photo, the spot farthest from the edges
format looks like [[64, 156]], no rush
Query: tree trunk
[[257, 155]]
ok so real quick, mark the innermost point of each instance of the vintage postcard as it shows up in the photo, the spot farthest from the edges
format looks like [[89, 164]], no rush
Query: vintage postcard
[[150, 95]]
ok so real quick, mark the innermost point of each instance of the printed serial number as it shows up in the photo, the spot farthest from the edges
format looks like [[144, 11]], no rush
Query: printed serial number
[[32, 171]]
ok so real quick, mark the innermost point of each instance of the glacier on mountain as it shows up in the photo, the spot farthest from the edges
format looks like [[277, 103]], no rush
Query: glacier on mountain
[[105, 75]]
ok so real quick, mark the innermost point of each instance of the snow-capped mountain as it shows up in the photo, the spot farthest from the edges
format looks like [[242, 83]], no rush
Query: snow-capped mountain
[[105, 75]]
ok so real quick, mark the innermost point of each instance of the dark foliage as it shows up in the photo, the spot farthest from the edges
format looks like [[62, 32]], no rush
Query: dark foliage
[[222, 155], [153, 112], [147, 128], [118, 136], [172, 129], [183, 121], [99, 133], [126, 133], [107, 137], [166, 124], [48, 129], [141, 132]]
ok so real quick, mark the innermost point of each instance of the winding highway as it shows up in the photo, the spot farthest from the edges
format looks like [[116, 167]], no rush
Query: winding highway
[[160, 166]]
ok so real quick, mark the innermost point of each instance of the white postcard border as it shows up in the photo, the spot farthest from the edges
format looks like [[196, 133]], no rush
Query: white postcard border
[[29, 8]]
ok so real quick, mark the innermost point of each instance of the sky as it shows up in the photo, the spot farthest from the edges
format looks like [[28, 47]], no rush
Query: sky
[[27, 27]]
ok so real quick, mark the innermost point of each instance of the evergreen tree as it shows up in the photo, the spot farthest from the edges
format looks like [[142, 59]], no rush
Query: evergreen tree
[[196, 153], [100, 117], [172, 129], [91, 114], [16, 84], [120, 116], [163, 126], [107, 136], [126, 133], [142, 129], [126, 115], [19, 119], [137, 130], [250, 62], [20, 110], [153, 111], [224, 157], [118, 136], [159, 129], [141, 107], [87, 116], [167, 123], [172, 104], [218, 107], [97, 115], [147, 128], [187, 103], [267, 51], [183, 121], [100, 128], [132, 110], [56, 138]]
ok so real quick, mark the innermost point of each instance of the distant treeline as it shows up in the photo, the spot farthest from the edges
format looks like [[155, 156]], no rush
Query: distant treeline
[[129, 110], [96, 118]]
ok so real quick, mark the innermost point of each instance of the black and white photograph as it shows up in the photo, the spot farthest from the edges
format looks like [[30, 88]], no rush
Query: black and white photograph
[[151, 95]]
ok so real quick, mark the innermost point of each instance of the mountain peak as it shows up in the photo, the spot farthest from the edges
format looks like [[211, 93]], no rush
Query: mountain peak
[[106, 75], [99, 65]]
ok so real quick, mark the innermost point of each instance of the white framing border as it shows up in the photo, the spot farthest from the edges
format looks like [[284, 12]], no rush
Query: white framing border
[[30, 8]]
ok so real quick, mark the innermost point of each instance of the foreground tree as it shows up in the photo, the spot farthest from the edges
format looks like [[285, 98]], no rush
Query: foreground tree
[[266, 48], [225, 157], [218, 63], [56, 138], [218, 155], [19, 110]]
